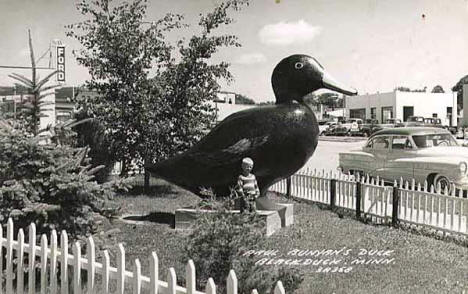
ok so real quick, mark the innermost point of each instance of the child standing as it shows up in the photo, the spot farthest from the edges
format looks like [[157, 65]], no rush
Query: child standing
[[247, 187]]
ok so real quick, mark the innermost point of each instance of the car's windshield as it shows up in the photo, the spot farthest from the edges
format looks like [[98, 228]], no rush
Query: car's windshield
[[432, 140]]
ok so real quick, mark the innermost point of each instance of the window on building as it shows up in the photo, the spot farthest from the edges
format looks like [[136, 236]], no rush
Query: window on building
[[434, 115], [407, 112], [357, 113], [373, 113], [387, 113]]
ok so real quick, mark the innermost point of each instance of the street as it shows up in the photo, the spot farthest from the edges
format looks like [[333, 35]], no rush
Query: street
[[326, 155]]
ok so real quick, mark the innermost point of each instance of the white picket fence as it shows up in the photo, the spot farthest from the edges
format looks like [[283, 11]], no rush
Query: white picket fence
[[52, 256], [417, 204]]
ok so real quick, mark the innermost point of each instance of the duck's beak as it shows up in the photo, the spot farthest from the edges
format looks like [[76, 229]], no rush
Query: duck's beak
[[330, 83]]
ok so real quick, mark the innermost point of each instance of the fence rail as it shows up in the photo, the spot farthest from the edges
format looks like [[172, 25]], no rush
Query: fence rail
[[403, 202], [61, 272]]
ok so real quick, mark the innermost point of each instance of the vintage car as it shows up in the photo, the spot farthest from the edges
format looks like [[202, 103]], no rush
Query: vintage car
[[434, 122], [413, 121], [420, 153], [369, 129], [327, 126], [349, 127]]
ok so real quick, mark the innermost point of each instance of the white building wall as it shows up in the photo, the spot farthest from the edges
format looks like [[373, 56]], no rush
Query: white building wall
[[426, 104], [368, 101], [223, 110]]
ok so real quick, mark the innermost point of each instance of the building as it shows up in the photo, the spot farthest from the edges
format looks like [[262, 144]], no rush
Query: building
[[14, 103], [226, 105], [401, 105], [226, 97], [64, 107]]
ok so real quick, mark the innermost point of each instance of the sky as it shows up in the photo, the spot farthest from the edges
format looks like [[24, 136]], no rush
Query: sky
[[370, 45]]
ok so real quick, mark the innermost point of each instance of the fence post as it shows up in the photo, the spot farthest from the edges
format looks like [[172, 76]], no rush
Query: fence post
[[288, 187], [332, 193], [395, 203], [358, 199]]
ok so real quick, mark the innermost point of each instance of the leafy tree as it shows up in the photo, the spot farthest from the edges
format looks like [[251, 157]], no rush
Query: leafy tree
[[150, 115], [242, 99], [459, 89], [119, 50], [92, 134], [420, 90], [188, 84], [402, 89], [331, 100], [406, 89], [438, 89]]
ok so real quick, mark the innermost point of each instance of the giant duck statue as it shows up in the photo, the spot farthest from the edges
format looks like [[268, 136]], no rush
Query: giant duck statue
[[279, 138]]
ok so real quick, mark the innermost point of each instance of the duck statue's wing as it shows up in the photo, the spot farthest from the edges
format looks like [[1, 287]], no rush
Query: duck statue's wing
[[216, 159]]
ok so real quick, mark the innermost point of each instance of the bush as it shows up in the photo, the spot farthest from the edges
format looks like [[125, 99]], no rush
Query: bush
[[49, 184], [216, 245], [92, 134]]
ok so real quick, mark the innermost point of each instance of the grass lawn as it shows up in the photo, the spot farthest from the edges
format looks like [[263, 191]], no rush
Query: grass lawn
[[420, 264]]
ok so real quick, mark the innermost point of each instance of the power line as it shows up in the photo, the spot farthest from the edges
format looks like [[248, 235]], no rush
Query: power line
[[23, 67]]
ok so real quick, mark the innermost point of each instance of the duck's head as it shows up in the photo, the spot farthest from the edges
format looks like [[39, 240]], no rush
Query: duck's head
[[298, 75]]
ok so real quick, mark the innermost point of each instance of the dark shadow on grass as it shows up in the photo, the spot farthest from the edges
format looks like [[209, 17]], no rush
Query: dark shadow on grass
[[154, 190], [165, 218]]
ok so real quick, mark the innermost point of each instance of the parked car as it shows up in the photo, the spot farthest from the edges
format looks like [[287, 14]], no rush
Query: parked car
[[330, 131], [393, 121], [339, 130], [324, 127], [389, 123], [460, 134], [420, 153], [433, 122], [414, 121], [349, 127], [369, 127]]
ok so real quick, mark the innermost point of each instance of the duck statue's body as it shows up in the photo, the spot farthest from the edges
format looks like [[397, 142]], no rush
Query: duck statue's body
[[279, 138]]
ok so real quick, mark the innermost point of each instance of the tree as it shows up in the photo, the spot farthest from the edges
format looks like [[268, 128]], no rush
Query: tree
[[406, 89], [242, 99], [119, 50], [438, 89], [186, 86], [420, 90], [331, 100], [149, 118], [402, 89], [33, 109], [459, 89]]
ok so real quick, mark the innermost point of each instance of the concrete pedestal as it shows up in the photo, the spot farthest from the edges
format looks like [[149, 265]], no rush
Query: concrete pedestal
[[185, 218]]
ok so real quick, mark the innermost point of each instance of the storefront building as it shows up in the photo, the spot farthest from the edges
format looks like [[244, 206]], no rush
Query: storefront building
[[401, 105]]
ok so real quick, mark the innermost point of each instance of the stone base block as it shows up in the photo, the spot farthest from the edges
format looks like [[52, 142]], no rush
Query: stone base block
[[185, 218], [286, 214]]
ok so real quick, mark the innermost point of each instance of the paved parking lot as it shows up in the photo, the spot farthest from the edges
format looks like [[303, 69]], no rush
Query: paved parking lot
[[326, 154]]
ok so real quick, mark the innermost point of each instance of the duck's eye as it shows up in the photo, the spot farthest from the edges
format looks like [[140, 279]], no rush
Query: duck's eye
[[299, 65]]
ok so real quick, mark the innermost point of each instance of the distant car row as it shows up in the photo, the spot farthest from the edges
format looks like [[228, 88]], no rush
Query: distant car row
[[357, 127]]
